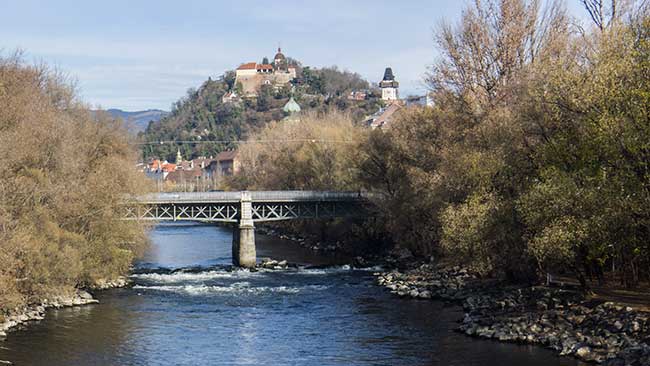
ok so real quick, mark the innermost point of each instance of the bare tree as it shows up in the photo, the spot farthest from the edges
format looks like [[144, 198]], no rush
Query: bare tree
[[494, 41], [603, 13]]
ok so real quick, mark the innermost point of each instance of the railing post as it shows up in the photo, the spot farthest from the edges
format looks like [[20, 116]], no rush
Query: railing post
[[243, 239]]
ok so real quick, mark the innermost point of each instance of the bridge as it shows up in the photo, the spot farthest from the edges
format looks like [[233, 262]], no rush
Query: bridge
[[244, 209]]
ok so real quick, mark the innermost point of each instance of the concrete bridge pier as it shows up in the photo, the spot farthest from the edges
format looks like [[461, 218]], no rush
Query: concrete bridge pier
[[243, 237]]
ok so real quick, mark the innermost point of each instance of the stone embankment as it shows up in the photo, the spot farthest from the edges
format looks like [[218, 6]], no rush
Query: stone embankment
[[565, 321], [37, 312]]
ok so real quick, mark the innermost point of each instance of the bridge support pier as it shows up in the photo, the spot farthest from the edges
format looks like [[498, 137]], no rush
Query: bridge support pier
[[243, 237]]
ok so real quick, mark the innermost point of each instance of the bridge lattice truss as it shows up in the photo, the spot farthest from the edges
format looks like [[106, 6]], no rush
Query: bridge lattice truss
[[214, 212], [230, 211]]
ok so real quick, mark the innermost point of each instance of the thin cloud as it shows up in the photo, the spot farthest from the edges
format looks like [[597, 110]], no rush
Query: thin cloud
[[145, 54]]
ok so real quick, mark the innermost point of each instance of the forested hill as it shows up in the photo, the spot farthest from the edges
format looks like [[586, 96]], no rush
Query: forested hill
[[201, 115]]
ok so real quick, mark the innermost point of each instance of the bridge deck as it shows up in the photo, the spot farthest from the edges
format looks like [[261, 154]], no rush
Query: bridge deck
[[256, 196]]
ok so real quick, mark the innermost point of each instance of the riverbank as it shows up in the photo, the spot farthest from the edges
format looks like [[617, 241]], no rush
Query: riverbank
[[563, 320], [304, 241], [35, 312]]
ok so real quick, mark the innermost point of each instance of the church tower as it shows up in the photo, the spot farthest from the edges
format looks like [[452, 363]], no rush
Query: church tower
[[280, 61], [389, 86]]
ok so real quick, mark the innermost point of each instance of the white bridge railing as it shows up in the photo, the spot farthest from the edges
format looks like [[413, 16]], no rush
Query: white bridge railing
[[256, 196]]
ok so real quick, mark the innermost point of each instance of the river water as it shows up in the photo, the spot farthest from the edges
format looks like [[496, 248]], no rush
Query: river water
[[189, 308]]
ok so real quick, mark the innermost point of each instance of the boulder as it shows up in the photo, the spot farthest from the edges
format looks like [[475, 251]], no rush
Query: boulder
[[584, 352], [618, 325], [84, 295]]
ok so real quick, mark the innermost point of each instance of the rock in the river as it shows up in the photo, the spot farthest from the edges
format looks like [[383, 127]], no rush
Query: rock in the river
[[84, 295], [269, 263]]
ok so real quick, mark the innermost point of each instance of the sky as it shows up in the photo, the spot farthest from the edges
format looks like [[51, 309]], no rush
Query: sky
[[145, 54]]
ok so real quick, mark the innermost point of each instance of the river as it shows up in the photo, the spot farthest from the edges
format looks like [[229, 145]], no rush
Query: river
[[205, 314]]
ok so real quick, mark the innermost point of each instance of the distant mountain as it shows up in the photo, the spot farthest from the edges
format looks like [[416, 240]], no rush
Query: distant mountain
[[138, 120]]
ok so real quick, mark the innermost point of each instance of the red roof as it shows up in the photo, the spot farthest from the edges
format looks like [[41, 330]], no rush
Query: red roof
[[248, 66], [264, 67], [155, 165], [169, 167]]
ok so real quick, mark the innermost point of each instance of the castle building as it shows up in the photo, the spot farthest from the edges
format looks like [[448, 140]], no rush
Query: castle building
[[251, 76], [389, 86]]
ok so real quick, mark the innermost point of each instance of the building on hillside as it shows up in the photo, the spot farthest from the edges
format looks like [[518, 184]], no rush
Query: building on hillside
[[159, 170], [419, 100], [201, 162], [161, 166], [251, 76], [383, 118], [224, 164], [430, 102], [389, 86], [230, 97], [186, 176], [358, 95], [195, 164]]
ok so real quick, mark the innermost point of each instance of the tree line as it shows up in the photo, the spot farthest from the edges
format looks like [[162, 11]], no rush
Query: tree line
[[64, 171], [534, 159]]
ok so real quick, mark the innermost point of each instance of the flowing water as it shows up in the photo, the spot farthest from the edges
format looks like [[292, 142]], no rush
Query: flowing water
[[188, 307]]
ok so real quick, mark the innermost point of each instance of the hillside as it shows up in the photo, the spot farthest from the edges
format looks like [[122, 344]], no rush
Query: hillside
[[202, 116], [138, 121]]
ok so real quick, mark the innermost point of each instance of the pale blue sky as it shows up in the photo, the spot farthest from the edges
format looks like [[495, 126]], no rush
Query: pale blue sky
[[145, 54]]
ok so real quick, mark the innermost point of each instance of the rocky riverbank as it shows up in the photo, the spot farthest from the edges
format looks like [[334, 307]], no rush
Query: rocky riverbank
[[37, 312], [305, 242], [562, 320]]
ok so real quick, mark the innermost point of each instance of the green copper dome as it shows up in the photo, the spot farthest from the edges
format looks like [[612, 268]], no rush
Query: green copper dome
[[291, 106]]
